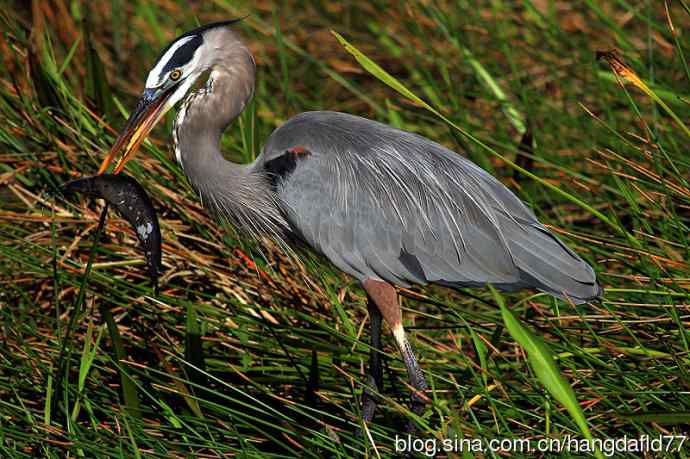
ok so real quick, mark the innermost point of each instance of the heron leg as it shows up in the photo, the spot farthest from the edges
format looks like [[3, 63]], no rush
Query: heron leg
[[375, 373], [386, 299]]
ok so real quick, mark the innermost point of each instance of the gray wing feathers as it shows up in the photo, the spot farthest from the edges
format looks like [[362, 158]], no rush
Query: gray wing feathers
[[387, 204], [550, 265]]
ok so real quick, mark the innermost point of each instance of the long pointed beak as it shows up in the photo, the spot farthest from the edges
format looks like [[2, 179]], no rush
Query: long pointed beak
[[150, 108]]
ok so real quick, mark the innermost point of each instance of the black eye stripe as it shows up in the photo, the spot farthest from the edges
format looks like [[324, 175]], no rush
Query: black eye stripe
[[182, 55]]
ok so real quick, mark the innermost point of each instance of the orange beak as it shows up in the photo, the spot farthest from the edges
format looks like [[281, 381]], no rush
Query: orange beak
[[149, 110]]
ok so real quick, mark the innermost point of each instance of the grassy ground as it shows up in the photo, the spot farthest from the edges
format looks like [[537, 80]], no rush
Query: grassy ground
[[257, 357]]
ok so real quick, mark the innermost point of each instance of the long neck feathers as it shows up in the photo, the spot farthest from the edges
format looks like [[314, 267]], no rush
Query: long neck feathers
[[231, 191]]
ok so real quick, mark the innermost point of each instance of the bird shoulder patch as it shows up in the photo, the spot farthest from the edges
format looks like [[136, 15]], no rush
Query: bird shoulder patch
[[282, 166]]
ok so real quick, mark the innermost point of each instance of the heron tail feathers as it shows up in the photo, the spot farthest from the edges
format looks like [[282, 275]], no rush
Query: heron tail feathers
[[550, 266]]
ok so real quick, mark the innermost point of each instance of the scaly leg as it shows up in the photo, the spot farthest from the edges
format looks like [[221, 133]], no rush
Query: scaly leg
[[375, 376], [385, 297]]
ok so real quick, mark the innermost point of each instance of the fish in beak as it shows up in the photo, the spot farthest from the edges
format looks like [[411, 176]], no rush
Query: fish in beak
[[151, 107]]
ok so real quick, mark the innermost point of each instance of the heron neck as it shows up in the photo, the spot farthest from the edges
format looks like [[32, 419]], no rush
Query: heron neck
[[206, 112], [230, 190]]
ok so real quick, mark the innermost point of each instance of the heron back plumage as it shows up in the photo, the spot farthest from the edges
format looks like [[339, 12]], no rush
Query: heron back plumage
[[388, 204]]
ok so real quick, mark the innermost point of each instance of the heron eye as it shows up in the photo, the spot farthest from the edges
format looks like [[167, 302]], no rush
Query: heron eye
[[175, 75]]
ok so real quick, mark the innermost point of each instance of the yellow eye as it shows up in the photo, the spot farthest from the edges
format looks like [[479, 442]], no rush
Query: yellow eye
[[175, 75]]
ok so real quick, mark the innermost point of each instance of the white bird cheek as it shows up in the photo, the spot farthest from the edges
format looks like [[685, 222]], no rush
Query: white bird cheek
[[180, 92]]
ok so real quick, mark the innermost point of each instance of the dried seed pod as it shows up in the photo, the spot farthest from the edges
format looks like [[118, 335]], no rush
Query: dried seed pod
[[131, 201]]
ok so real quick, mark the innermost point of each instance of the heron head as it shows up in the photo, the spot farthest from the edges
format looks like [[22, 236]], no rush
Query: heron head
[[176, 69]]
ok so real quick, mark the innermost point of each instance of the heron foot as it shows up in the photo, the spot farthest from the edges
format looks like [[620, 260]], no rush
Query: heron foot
[[375, 376], [417, 404], [369, 399]]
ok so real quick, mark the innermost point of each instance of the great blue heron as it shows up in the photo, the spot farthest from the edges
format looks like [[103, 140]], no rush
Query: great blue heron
[[386, 206]]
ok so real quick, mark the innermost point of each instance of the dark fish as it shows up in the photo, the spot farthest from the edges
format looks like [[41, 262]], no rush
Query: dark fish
[[133, 204]]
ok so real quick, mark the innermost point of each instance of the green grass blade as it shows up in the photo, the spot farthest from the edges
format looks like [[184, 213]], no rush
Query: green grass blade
[[661, 418], [49, 396], [194, 354], [516, 118], [543, 364], [129, 388]]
